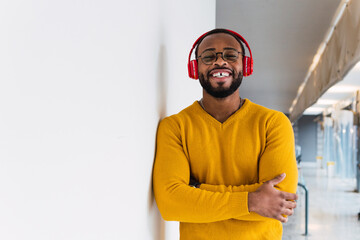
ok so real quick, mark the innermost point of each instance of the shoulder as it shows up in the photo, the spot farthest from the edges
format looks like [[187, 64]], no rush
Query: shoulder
[[176, 120], [270, 118], [267, 115]]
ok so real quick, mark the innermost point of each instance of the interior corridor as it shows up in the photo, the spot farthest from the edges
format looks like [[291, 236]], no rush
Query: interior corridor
[[333, 208]]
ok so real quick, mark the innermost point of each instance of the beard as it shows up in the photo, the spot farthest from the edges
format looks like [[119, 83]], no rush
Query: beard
[[221, 92]]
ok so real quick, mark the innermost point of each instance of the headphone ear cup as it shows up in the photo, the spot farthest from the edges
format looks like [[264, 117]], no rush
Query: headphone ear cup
[[247, 66], [193, 69]]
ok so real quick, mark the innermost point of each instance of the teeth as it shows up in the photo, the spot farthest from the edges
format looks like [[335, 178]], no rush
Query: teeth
[[221, 74]]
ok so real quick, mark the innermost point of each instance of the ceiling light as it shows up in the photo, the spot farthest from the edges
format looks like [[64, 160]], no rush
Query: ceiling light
[[314, 110], [357, 67], [326, 101], [343, 89]]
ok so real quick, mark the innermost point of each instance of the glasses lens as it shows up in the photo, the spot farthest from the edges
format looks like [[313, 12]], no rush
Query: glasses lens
[[230, 55], [208, 57]]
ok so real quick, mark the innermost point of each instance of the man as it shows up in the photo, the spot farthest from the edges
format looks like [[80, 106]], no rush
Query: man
[[237, 151]]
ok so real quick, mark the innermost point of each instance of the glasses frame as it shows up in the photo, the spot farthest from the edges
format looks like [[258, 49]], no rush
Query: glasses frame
[[222, 55]]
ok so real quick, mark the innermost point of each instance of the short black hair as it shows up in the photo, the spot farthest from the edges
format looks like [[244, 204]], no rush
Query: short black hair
[[219, 30]]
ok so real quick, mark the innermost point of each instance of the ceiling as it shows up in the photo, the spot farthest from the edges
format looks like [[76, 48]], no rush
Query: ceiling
[[342, 91], [284, 36]]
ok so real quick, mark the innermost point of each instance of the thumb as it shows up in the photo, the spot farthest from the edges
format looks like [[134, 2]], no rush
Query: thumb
[[277, 179]]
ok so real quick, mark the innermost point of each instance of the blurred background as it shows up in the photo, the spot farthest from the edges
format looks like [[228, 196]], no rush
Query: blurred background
[[84, 84]]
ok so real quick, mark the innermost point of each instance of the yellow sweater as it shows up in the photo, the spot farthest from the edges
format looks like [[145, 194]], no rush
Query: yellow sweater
[[233, 158]]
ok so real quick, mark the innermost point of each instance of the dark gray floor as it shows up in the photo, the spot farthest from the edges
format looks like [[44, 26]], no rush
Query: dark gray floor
[[333, 208]]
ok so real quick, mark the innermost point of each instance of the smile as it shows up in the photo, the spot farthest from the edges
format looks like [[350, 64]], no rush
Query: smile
[[221, 74]]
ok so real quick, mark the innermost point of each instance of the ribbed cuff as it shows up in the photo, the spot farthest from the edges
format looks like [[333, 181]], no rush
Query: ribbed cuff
[[239, 204]]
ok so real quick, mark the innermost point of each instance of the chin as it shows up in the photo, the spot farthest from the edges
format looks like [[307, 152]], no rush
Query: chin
[[220, 92]]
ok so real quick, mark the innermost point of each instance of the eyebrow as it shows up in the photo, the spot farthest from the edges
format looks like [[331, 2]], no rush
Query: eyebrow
[[230, 48], [226, 48], [209, 49]]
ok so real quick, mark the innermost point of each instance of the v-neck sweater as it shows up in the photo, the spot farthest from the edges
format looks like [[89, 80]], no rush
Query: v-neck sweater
[[230, 159]]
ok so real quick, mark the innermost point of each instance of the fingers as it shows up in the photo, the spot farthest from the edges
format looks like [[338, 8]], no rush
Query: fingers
[[282, 219], [288, 208], [288, 211], [290, 204], [284, 216], [277, 179], [290, 196], [270, 202]]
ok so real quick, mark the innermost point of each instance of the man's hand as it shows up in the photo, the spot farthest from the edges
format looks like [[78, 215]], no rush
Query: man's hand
[[270, 202]]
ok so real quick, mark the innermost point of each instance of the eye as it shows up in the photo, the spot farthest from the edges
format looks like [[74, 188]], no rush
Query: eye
[[208, 57], [231, 55]]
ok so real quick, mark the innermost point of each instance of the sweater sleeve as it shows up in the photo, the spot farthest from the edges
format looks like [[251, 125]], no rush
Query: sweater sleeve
[[176, 200], [252, 216], [279, 154], [223, 188], [278, 157]]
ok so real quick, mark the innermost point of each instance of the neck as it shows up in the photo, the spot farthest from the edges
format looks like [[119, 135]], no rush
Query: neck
[[221, 108]]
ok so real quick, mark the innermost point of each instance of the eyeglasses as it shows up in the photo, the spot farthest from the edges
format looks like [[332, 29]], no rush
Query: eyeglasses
[[210, 56]]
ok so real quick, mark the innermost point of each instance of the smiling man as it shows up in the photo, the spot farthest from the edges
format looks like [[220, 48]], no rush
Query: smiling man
[[225, 167]]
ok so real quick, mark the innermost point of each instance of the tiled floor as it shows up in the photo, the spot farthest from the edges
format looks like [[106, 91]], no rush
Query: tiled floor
[[333, 209]]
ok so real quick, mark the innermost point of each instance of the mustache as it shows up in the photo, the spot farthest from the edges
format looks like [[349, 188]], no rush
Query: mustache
[[223, 68]]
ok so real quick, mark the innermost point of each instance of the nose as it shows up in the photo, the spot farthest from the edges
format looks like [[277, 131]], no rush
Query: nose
[[220, 60]]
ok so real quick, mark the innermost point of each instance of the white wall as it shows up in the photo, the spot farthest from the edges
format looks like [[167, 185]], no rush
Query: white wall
[[83, 85]]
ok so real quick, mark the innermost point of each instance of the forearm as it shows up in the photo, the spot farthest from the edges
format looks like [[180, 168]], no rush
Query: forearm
[[180, 202], [251, 216], [229, 188]]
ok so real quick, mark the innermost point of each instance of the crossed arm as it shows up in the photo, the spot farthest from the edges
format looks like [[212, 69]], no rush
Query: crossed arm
[[177, 201], [264, 200]]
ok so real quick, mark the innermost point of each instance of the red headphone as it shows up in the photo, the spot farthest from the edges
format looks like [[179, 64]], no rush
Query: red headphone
[[248, 62]]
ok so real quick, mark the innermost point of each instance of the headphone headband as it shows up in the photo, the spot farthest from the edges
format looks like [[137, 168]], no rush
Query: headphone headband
[[247, 61]]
